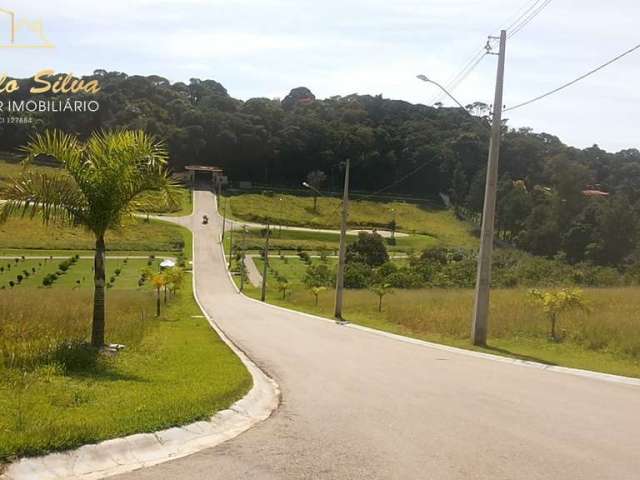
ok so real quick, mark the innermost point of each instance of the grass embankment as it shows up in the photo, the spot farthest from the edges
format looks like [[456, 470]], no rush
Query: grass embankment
[[11, 167], [56, 393], [290, 241], [175, 370], [124, 272], [606, 339], [183, 207], [24, 233], [422, 219]]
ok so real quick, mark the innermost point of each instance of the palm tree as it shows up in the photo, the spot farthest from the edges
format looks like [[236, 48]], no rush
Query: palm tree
[[104, 177]]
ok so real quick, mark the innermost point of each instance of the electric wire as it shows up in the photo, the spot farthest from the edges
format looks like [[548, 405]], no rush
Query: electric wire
[[526, 15], [515, 30], [573, 82]]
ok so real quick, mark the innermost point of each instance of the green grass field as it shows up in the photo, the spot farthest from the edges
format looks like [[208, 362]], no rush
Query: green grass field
[[292, 240], [56, 393], [439, 224], [24, 233], [183, 208], [606, 339], [175, 370], [11, 167], [79, 275]]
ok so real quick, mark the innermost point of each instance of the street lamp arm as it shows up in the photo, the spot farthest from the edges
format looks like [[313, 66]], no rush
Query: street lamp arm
[[311, 187], [428, 80]]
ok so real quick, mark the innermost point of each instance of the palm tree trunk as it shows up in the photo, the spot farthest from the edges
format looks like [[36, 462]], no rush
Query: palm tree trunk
[[97, 327]]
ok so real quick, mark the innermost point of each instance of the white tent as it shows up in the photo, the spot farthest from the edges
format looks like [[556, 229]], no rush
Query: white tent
[[167, 263]]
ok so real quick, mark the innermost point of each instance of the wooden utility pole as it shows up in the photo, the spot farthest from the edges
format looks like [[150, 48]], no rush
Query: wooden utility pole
[[343, 245], [483, 281], [242, 257], [263, 295]]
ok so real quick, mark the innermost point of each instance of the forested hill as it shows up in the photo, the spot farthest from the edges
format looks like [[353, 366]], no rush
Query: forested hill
[[542, 204]]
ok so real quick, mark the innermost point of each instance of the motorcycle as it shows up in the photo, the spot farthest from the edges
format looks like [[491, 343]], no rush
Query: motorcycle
[[205, 220]]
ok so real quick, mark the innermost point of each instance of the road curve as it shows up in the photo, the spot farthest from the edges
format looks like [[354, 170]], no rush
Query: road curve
[[357, 405]]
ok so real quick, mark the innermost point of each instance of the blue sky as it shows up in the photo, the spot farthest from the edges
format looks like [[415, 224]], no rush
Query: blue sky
[[266, 47]]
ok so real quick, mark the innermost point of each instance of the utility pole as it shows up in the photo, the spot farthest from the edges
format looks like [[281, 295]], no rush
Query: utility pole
[[230, 245], [224, 219], [242, 257], [483, 281], [343, 245], [263, 295]]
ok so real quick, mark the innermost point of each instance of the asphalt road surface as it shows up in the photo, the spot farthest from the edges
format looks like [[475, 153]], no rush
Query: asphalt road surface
[[358, 405]]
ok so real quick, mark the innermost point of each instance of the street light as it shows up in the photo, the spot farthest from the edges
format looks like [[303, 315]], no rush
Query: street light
[[424, 78], [311, 187]]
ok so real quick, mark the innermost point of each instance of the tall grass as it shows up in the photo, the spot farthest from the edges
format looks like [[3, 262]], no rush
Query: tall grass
[[611, 325], [42, 326]]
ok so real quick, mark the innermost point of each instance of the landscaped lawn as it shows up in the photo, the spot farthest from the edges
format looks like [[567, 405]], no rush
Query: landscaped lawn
[[606, 338], [425, 219], [124, 271], [184, 206], [137, 235], [290, 241], [11, 167], [175, 370], [56, 393]]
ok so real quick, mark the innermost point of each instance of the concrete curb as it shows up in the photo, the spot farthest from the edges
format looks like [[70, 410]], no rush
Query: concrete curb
[[605, 377], [133, 452]]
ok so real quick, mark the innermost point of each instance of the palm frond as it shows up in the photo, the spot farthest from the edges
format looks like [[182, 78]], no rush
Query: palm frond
[[53, 196]]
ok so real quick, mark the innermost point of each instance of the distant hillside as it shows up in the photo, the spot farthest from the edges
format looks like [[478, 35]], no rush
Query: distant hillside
[[412, 149]]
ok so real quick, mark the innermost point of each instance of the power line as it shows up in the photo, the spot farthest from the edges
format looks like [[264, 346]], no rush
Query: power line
[[527, 14], [455, 79], [467, 73], [391, 185], [523, 14], [397, 182], [573, 82], [529, 18]]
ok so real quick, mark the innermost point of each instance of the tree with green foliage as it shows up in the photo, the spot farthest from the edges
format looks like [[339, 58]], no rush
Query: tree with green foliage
[[381, 290], [316, 293], [318, 275], [369, 249], [555, 303], [103, 178]]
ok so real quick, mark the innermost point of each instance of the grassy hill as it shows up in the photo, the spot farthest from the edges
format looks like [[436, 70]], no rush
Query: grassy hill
[[415, 218]]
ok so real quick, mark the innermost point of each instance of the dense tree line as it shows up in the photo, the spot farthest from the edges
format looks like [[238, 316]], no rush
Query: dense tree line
[[542, 206]]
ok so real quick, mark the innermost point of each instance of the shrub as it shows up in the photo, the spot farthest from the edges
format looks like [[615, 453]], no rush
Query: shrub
[[404, 279], [304, 256], [117, 271], [318, 276], [368, 249], [357, 275], [11, 283], [19, 278], [558, 302]]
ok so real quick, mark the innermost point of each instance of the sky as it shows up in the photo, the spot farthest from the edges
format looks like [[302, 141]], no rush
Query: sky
[[264, 48]]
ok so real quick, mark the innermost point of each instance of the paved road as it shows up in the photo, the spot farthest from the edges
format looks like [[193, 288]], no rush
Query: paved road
[[357, 405]]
